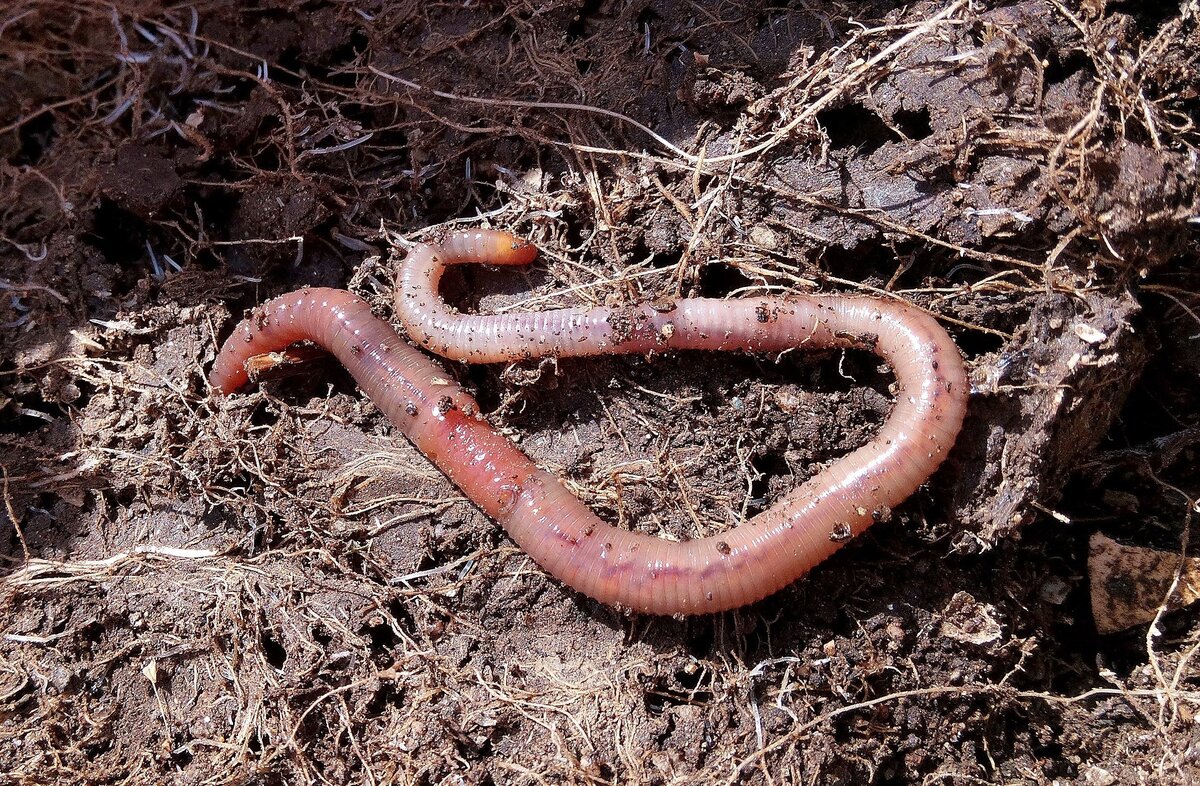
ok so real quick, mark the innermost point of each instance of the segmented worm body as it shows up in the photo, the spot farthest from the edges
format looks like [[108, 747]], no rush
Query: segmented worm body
[[562, 535]]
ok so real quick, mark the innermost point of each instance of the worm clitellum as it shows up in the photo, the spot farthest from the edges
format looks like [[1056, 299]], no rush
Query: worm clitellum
[[631, 569]]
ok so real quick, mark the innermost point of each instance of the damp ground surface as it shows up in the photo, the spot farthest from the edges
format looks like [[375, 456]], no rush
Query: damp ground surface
[[273, 588]]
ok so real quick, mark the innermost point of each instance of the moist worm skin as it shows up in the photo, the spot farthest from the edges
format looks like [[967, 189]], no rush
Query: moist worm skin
[[631, 569]]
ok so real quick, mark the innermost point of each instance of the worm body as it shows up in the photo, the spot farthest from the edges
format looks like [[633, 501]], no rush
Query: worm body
[[613, 565]]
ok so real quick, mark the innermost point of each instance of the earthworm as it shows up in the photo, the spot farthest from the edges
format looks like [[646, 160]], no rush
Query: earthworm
[[616, 566]]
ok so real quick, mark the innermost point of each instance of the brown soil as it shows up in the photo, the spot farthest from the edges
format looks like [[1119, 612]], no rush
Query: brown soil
[[273, 589]]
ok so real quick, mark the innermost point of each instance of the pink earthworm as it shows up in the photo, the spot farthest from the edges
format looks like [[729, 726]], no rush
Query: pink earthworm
[[616, 566]]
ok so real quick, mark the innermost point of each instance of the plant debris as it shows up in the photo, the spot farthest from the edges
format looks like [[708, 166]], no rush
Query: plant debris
[[1132, 585]]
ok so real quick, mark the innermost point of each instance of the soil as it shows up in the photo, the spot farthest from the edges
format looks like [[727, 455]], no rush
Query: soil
[[272, 588]]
